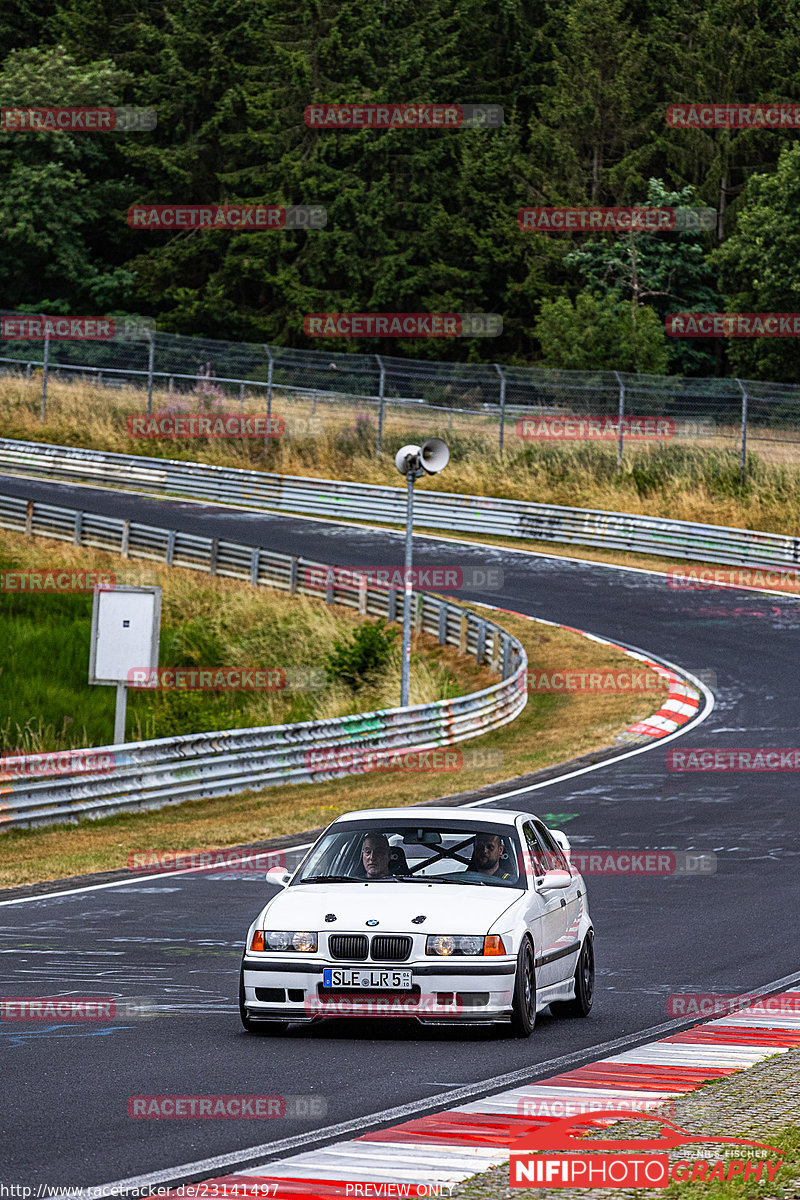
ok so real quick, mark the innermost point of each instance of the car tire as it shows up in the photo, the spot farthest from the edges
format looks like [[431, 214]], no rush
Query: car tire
[[260, 1028], [584, 984], [523, 1009]]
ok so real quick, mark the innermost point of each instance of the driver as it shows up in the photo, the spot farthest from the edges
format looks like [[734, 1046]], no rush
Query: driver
[[375, 856], [486, 855]]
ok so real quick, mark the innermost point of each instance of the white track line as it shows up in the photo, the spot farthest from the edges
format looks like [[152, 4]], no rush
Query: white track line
[[145, 877]]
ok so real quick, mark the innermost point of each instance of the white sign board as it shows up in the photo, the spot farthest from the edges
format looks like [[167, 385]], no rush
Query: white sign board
[[126, 623]]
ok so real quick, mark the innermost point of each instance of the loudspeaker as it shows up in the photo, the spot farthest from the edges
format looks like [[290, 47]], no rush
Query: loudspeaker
[[401, 459], [434, 455]]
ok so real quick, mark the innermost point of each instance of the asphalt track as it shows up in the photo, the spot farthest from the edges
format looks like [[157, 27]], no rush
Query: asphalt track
[[177, 939]]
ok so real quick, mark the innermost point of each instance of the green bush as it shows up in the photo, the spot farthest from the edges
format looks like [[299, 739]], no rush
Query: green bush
[[358, 659]]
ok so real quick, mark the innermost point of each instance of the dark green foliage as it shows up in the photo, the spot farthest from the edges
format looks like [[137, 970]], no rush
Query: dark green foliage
[[420, 220], [358, 659]]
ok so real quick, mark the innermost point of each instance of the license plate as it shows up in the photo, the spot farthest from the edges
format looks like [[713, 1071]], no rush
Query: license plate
[[387, 980]]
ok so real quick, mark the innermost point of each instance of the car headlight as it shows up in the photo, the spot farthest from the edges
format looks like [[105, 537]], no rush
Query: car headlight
[[280, 939], [445, 944]]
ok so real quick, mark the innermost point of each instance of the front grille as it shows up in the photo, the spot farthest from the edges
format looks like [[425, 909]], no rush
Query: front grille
[[347, 945], [390, 948]]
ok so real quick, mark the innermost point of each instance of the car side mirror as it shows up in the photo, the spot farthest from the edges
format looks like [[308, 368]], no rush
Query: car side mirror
[[278, 877], [555, 879]]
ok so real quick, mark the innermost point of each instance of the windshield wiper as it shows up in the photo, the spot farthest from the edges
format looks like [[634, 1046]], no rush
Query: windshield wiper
[[329, 879], [440, 879]]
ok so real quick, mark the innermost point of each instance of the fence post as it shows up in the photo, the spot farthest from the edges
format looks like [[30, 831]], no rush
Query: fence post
[[502, 403], [150, 355], [621, 417], [381, 404], [743, 468], [45, 365], [269, 391], [241, 396]]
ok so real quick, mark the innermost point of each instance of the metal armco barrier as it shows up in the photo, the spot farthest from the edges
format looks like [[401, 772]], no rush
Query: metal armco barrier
[[164, 771], [433, 510]]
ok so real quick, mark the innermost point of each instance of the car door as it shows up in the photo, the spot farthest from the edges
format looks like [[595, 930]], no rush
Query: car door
[[552, 910], [569, 901]]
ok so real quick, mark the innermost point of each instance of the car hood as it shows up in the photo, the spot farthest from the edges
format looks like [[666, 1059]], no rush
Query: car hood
[[454, 908]]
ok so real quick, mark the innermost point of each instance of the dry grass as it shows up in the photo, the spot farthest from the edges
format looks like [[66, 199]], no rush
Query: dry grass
[[551, 729], [694, 479]]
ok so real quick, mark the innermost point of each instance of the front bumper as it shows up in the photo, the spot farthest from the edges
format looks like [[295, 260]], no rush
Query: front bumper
[[471, 991]]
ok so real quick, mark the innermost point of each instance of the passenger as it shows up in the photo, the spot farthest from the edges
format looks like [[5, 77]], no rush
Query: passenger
[[486, 855], [375, 856]]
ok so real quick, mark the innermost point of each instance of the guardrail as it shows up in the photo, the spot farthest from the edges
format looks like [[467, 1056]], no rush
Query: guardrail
[[433, 510], [151, 774]]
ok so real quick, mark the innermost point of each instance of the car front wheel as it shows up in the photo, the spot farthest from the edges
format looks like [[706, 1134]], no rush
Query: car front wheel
[[584, 984], [523, 1010]]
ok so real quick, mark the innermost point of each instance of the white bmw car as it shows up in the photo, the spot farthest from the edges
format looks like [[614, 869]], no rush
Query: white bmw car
[[446, 915]]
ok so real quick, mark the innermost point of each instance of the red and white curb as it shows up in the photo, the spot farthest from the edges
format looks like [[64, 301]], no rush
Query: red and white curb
[[683, 698], [682, 702], [445, 1148]]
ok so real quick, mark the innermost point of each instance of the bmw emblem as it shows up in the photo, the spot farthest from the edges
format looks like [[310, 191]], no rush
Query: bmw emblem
[[371, 922]]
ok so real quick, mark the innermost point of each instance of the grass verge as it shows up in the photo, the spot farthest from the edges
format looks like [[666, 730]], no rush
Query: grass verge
[[552, 728], [46, 702]]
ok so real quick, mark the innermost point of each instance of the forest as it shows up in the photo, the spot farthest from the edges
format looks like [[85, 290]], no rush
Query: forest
[[418, 220]]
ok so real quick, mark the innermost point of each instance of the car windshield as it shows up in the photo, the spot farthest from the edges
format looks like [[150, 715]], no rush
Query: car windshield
[[483, 855]]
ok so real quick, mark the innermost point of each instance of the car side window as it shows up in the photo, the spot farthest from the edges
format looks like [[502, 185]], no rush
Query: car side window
[[555, 854], [536, 850]]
